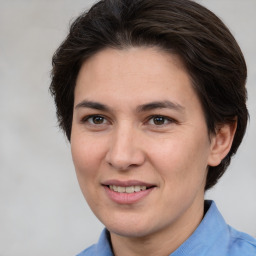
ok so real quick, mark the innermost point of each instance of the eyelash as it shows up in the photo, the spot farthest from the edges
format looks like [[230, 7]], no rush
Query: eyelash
[[105, 120], [87, 118], [164, 118]]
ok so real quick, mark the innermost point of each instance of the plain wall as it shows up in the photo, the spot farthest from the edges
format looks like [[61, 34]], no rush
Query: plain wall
[[42, 211]]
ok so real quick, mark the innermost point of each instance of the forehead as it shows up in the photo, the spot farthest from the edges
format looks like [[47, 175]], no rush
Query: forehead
[[135, 76], [142, 55]]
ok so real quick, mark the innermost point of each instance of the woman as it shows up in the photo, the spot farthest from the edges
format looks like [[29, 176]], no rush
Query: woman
[[151, 95]]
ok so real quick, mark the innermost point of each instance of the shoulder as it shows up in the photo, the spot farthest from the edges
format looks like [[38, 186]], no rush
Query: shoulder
[[241, 243], [88, 251], [102, 248]]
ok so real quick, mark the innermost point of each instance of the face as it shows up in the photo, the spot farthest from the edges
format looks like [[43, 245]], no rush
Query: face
[[139, 141]]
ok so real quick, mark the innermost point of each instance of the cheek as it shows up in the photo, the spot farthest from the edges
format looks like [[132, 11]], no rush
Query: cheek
[[181, 160], [87, 158], [87, 155]]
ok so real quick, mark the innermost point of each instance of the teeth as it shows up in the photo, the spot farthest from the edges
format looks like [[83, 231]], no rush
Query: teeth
[[130, 189], [121, 189], [136, 188]]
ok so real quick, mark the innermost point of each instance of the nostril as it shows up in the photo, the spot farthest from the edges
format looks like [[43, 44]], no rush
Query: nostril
[[122, 164]]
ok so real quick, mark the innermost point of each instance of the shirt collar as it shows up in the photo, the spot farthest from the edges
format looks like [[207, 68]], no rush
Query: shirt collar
[[211, 231], [104, 244], [211, 234]]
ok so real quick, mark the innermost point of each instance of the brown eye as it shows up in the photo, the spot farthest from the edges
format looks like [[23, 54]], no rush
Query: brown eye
[[159, 120], [95, 120], [98, 120]]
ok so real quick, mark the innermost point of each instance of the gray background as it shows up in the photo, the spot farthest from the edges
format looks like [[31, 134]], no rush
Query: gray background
[[42, 211]]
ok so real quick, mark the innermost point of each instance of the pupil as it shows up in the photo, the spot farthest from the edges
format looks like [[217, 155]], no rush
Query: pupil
[[159, 120], [98, 120]]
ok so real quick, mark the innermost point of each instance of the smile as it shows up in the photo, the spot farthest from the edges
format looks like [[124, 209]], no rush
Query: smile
[[129, 190]]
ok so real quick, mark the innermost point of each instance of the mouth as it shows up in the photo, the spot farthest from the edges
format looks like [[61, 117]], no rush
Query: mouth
[[130, 186], [127, 192], [128, 189]]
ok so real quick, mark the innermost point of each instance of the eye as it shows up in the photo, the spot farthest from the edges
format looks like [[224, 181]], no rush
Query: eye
[[159, 120], [95, 120]]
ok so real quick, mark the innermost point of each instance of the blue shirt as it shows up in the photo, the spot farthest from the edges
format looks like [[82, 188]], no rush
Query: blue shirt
[[213, 237]]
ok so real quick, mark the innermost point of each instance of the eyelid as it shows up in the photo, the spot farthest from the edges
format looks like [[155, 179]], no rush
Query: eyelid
[[86, 118], [146, 122], [169, 119]]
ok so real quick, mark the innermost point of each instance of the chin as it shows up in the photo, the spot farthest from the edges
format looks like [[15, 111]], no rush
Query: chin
[[129, 232], [128, 228]]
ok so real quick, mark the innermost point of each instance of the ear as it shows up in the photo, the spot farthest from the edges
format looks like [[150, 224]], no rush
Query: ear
[[221, 142]]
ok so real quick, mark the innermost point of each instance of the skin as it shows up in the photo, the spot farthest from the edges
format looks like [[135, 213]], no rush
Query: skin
[[122, 141]]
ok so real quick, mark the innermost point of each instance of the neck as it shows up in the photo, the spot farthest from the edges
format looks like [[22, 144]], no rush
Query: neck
[[169, 238]]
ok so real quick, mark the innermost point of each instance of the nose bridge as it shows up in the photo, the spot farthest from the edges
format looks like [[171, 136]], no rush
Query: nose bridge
[[125, 150]]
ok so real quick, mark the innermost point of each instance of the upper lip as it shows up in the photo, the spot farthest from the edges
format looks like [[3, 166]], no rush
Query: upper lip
[[127, 183]]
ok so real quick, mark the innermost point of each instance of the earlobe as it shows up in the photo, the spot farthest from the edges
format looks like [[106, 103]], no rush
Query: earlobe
[[221, 142]]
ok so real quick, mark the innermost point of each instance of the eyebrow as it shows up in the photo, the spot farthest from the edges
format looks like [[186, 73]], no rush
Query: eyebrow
[[92, 104], [160, 104], [141, 108]]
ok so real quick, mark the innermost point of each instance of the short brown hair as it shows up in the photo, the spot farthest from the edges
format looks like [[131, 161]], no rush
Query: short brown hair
[[208, 50]]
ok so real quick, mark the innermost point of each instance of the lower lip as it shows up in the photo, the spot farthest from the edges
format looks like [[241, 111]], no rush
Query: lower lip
[[127, 198]]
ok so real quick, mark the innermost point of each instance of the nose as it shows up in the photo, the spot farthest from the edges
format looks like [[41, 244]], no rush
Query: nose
[[125, 150]]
